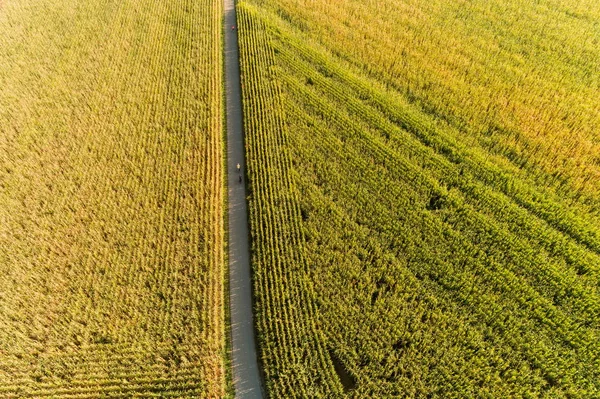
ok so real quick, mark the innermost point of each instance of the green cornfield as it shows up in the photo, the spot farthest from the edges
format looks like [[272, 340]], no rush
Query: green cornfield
[[111, 199], [424, 196]]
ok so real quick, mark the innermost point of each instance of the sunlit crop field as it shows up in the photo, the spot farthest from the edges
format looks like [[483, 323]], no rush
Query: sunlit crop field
[[424, 196], [111, 199]]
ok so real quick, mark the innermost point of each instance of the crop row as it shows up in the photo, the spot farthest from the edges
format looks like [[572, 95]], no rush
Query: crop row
[[436, 269], [112, 199], [514, 82], [292, 355], [469, 277], [484, 197], [438, 149]]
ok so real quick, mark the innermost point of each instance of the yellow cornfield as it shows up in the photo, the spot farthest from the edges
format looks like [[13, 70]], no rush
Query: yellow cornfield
[[111, 199]]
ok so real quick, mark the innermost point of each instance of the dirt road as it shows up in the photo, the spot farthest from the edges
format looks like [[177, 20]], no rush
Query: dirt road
[[246, 373]]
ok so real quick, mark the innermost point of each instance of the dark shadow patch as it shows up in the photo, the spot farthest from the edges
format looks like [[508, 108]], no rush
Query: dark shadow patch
[[552, 379], [401, 344], [384, 285], [161, 296], [374, 297], [348, 381], [436, 202], [581, 270], [304, 213]]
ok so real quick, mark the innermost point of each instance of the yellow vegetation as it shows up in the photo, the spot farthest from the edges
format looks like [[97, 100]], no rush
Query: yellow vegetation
[[111, 199]]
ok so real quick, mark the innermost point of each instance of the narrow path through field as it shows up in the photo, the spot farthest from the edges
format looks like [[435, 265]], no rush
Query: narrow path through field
[[246, 373]]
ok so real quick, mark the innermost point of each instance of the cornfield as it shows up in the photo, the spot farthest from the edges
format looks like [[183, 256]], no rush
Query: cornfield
[[111, 199], [423, 189], [413, 237]]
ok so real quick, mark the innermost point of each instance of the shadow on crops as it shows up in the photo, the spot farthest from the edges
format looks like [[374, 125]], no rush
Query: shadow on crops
[[347, 379]]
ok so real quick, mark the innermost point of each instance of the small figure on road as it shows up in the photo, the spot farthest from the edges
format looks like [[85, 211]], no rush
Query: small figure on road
[[240, 178], [232, 27], [239, 168]]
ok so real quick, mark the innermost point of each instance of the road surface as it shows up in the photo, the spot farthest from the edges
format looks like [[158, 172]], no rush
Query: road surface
[[246, 374]]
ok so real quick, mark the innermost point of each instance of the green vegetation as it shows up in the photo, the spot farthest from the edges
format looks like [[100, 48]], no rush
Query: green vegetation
[[111, 199], [424, 196]]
